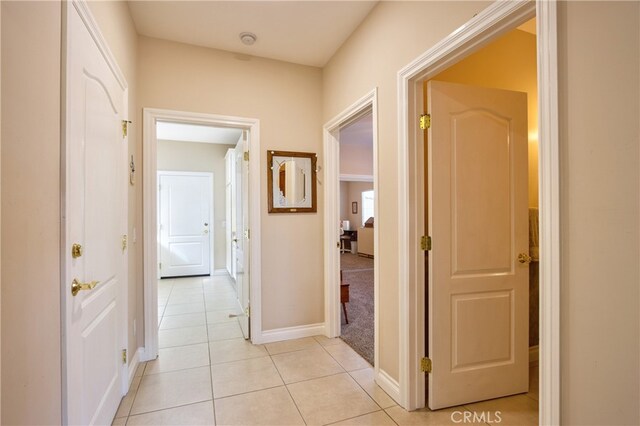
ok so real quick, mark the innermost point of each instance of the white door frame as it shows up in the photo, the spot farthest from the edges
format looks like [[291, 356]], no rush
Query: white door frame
[[331, 164], [489, 24], [211, 210], [149, 176], [92, 27]]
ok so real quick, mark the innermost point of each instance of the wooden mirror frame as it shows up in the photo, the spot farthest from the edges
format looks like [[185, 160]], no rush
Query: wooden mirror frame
[[313, 158]]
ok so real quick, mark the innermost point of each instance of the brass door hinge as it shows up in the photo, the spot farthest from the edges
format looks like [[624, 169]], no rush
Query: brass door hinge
[[124, 242], [247, 311], [76, 250], [425, 365], [246, 156], [425, 121], [425, 243], [125, 127], [124, 356]]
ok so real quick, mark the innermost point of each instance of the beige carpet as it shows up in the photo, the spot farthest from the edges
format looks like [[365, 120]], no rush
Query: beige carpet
[[359, 333]]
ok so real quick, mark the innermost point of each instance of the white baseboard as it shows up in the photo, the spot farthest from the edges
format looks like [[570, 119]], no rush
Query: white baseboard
[[218, 272], [388, 384], [288, 333], [534, 355], [133, 365]]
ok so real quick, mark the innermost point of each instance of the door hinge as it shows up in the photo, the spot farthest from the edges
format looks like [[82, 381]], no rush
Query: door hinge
[[247, 311], [125, 127], [124, 242], [160, 265], [425, 121], [124, 356], [246, 156], [425, 243], [247, 234], [425, 365]]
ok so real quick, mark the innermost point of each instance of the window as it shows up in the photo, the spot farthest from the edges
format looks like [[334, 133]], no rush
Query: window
[[367, 205]]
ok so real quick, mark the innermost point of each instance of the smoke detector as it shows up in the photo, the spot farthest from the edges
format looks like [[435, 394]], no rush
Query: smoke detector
[[248, 38]]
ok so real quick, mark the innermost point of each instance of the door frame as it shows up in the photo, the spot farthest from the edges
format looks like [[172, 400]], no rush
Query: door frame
[[150, 215], [482, 29], [211, 210], [127, 373], [331, 165]]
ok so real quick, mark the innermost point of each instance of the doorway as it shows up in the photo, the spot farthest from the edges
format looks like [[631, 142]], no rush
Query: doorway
[[485, 27], [186, 152], [345, 240], [357, 222]]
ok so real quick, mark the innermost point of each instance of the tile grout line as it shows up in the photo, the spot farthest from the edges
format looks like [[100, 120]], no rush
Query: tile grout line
[[352, 378], [286, 387]]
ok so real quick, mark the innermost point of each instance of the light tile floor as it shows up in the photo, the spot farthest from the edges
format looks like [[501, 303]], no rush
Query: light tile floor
[[207, 374]]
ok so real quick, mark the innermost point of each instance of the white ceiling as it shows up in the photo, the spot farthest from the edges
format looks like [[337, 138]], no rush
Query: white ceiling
[[195, 133], [360, 132], [302, 32]]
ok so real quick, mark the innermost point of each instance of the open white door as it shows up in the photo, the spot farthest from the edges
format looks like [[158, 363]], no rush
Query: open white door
[[241, 238], [95, 228], [478, 290], [185, 200]]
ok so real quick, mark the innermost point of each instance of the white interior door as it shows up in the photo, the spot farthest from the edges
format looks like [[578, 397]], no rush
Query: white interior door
[[478, 290], [233, 232], [185, 201], [242, 231], [95, 221]]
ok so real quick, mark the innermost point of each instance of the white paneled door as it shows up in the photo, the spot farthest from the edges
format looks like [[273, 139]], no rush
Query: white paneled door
[[478, 268], [241, 238], [185, 206], [94, 229]]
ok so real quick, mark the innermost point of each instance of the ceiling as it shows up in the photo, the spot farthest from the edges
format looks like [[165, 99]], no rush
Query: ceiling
[[196, 133], [360, 132], [302, 32]]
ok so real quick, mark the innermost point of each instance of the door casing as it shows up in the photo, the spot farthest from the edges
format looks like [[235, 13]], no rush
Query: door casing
[[485, 27], [150, 216], [331, 167]]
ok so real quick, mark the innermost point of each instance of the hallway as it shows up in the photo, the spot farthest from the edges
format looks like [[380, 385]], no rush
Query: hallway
[[208, 374]]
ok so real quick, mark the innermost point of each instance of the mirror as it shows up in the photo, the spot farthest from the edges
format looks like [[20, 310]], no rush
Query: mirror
[[291, 182]]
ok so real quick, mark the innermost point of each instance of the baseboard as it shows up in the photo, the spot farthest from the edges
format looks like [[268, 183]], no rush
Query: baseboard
[[388, 384], [219, 272], [534, 355], [133, 365], [289, 333]]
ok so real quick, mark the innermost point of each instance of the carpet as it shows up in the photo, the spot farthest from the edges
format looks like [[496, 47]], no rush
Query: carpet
[[359, 333]]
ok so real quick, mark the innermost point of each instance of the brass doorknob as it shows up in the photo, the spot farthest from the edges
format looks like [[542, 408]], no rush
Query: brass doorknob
[[76, 286], [524, 258]]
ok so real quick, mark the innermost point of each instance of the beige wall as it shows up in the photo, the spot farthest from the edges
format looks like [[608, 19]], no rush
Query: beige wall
[[507, 63], [31, 213], [391, 36], [353, 192], [599, 71], [600, 184], [119, 31], [287, 99], [356, 159], [31, 63], [202, 157]]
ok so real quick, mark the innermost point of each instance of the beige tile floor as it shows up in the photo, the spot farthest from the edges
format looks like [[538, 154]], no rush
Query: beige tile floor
[[207, 374]]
